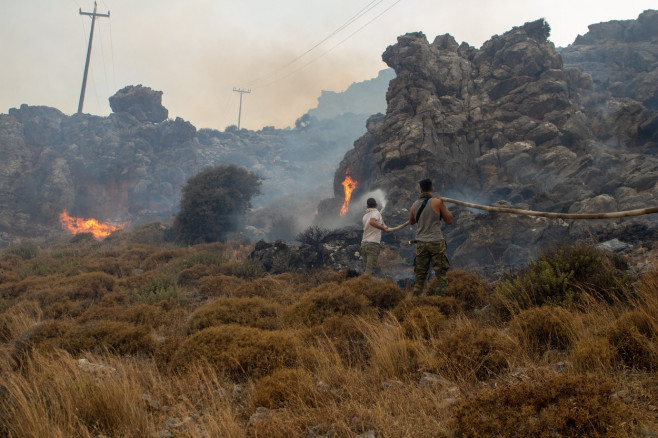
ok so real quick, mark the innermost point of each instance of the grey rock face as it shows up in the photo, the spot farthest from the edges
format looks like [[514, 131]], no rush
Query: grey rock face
[[509, 122]]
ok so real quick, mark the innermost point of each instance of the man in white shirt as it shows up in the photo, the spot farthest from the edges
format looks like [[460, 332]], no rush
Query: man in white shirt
[[373, 225]]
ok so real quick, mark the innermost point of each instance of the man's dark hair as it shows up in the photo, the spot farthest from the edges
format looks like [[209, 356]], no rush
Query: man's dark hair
[[371, 203], [425, 185]]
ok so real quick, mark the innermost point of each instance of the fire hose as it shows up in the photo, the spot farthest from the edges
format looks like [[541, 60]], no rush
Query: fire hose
[[509, 210]]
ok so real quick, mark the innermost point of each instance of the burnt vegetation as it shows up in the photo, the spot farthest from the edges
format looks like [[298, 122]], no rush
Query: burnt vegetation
[[134, 335]]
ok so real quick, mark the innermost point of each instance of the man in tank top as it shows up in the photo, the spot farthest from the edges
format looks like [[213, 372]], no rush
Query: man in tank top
[[431, 248], [373, 225]]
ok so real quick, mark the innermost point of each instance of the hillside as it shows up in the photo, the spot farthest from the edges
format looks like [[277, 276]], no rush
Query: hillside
[[132, 336]]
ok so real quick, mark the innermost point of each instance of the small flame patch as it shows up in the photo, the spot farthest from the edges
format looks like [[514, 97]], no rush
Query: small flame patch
[[77, 225], [348, 185]]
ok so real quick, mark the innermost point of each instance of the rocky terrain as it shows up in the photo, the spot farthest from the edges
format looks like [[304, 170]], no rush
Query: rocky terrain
[[129, 167], [517, 123]]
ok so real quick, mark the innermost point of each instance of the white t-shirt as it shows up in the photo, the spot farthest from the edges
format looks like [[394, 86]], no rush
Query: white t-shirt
[[370, 233]]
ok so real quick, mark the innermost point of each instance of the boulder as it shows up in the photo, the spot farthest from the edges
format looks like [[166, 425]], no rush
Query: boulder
[[143, 103]]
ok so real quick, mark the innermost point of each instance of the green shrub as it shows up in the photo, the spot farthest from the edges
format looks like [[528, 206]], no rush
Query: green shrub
[[633, 336], [249, 268], [252, 312], [155, 288], [153, 233], [239, 352], [26, 250], [544, 328], [566, 276], [212, 202], [557, 405]]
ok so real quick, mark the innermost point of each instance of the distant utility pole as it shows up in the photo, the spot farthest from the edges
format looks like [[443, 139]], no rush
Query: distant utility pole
[[93, 16], [241, 91]]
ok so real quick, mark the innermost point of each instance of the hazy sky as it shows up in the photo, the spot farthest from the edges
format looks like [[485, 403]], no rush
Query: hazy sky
[[285, 51]]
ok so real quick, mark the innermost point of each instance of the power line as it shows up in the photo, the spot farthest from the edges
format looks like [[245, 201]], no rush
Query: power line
[[351, 20], [330, 49]]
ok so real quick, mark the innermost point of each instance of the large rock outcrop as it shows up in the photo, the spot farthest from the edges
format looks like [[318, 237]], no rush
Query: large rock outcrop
[[503, 123]]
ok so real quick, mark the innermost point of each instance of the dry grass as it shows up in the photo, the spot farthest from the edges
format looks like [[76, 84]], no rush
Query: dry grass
[[135, 337]]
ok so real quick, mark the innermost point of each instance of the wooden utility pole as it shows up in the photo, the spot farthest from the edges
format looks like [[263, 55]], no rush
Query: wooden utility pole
[[93, 16], [241, 91]]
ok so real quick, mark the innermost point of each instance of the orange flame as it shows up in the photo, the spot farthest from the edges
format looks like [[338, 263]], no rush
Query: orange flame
[[78, 225], [349, 185]]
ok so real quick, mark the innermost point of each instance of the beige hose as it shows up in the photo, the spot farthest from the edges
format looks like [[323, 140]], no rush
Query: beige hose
[[613, 215]]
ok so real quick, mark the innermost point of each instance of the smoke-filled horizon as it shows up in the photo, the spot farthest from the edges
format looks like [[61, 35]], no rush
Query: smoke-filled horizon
[[285, 53]]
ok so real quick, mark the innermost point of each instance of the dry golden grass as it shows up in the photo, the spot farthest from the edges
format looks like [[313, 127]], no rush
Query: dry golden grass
[[132, 336]]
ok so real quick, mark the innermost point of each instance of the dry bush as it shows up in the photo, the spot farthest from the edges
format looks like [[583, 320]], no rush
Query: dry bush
[[7, 275], [44, 337], [422, 322], [19, 318], [88, 286], [473, 353], [219, 285], [239, 352], [634, 336], [343, 335], [191, 276], [469, 289], [282, 288], [555, 405], [544, 328], [117, 336], [325, 301], [252, 312], [110, 265], [592, 355], [22, 287], [161, 258], [446, 305], [286, 388], [382, 294], [141, 314]]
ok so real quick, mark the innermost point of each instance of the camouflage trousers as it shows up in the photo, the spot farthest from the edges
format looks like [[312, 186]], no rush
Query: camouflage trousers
[[370, 254], [434, 253]]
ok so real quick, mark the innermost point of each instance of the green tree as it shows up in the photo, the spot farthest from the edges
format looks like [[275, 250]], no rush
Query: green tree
[[213, 203]]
